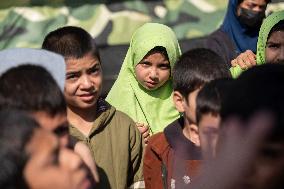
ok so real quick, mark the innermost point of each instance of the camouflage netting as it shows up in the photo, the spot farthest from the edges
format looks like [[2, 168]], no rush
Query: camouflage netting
[[24, 23]]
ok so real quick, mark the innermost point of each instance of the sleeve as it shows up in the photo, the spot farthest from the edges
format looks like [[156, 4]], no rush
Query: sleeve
[[152, 167], [136, 158]]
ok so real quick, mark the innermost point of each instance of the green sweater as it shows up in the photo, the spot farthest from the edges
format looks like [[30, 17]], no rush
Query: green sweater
[[117, 148]]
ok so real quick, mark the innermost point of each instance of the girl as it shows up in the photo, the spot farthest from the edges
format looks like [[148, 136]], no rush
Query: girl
[[270, 45], [143, 89]]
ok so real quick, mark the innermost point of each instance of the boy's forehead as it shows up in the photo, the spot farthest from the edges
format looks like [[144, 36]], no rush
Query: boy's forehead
[[79, 64]]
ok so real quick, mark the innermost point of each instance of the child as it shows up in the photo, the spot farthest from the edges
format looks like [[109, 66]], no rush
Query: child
[[208, 105], [270, 45], [111, 135], [143, 89], [31, 157], [256, 94], [172, 157], [40, 93], [37, 90]]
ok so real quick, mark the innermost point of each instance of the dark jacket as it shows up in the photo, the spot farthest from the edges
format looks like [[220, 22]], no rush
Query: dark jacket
[[220, 43], [171, 160]]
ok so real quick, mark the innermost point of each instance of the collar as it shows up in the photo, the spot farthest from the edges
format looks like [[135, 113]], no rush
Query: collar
[[102, 106], [182, 147]]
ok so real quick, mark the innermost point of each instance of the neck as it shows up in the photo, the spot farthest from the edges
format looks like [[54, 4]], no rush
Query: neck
[[189, 131], [82, 117]]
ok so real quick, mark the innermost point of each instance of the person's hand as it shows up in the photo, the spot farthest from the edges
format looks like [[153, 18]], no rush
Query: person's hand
[[144, 130], [245, 60]]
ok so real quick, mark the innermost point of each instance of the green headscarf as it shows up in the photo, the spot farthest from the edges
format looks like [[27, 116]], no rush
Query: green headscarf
[[154, 108], [266, 26]]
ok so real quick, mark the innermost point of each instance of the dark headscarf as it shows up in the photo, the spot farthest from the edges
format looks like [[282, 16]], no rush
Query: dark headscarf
[[243, 37]]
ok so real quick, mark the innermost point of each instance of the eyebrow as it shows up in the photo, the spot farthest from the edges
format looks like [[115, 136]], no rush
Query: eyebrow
[[96, 65], [73, 72]]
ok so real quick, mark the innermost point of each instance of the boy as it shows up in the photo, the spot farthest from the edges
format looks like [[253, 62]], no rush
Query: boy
[[172, 157], [39, 93], [208, 105], [27, 87], [30, 157], [112, 136], [256, 94]]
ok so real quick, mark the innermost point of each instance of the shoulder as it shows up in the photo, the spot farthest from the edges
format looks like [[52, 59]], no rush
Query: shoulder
[[121, 116], [158, 143]]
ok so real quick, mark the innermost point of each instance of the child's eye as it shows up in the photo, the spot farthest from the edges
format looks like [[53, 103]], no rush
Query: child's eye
[[145, 64], [273, 46], [72, 76], [164, 66], [94, 70]]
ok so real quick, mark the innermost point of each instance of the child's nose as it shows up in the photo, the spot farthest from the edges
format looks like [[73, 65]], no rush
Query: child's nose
[[153, 73], [86, 82]]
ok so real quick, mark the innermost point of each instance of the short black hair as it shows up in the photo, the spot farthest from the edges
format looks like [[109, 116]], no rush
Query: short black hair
[[259, 88], [31, 88], [197, 67], [210, 96], [16, 131], [71, 42], [277, 27]]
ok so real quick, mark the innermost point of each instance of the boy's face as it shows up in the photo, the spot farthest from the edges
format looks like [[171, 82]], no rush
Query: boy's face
[[274, 51], [190, 106], [153, 71], [208, 130], [57, 124], [83, 82], [268, 168], [61, 166]]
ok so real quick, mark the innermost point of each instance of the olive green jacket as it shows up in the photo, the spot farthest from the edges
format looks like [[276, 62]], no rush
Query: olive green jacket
[[117, 148]]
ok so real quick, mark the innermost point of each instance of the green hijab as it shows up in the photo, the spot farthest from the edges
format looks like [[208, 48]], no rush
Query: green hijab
[[154, 108], [266, 26]]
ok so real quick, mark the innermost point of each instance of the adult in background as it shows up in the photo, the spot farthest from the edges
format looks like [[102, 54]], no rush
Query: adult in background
[[240, 28]]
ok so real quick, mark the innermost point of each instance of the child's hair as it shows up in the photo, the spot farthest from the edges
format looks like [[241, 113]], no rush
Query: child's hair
[[158, 49], [277, 27], [197, 67], [71, 42], [31, 88], [258, 89], [210, 97], [16, 131]]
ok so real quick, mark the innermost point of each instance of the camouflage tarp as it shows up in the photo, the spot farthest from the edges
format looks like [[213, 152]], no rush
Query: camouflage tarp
[[110, 24]]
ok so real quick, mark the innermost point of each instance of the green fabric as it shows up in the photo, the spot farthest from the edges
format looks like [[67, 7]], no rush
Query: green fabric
[[266, 26], [117, 147], [154, 108]]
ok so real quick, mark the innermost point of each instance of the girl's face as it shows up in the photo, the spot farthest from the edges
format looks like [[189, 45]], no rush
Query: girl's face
[[275, 48], [153, 71]]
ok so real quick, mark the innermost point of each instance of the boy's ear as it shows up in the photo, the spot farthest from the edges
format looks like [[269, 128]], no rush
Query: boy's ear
[[178, 101], [194, 134]]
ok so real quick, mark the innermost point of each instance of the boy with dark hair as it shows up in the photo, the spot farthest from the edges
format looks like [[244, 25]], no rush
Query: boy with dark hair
[[28, 87], [30, 157], [258, 92], [112, 136], [39, 92], [208, 106], [172, 157]]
